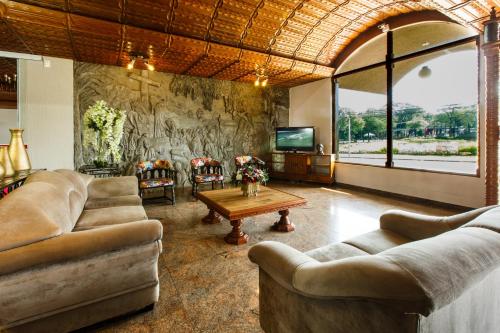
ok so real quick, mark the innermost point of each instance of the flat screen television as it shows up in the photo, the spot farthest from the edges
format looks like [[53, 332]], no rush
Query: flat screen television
[[295, 138]]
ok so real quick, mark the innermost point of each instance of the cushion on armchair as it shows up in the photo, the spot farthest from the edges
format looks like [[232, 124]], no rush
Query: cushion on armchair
[[156, 182], [205, 178]]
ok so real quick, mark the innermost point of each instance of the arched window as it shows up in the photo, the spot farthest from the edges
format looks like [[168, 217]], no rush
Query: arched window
[[408, 98]]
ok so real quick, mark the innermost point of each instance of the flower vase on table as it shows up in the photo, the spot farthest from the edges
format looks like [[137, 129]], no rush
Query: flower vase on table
[[251, 178], [250, 189]]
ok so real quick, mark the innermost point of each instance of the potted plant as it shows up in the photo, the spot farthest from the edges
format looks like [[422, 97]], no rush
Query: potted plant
[[103, 131], [251, 178]]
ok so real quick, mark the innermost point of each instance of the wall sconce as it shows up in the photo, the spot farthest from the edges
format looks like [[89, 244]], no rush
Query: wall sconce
[[136, 58], [262, 77]]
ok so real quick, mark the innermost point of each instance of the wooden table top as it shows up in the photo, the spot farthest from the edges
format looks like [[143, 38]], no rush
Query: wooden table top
[[231, 203]]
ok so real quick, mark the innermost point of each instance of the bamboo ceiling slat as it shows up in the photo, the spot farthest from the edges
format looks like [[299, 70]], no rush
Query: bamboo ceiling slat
[[296, 39]]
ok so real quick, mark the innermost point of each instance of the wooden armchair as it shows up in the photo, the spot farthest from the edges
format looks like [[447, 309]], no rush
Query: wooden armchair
[[156, 174], [205, 170]]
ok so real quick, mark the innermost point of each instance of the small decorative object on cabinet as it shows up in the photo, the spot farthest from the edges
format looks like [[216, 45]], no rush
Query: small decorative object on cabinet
[[2, 171], [303, 167], [320, 149], [6, 162], [17, 151]]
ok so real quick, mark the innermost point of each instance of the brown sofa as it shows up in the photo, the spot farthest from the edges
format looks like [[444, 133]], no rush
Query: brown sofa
[[74, 251], [415, 274]]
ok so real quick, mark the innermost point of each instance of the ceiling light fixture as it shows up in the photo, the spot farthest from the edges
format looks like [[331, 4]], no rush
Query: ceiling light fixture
[[140, 60], [261, 76], [424, 72], [384, 27]]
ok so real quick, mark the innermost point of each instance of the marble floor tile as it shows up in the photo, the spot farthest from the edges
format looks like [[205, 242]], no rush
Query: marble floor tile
[[207, 285]]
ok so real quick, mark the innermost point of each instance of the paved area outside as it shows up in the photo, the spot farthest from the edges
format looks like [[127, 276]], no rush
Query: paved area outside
[[458, 164]]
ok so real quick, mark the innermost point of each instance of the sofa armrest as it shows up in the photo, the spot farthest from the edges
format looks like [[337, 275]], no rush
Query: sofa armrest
[[113, 187], [418, 226], [280, 261], [363, 277], [77, 245]]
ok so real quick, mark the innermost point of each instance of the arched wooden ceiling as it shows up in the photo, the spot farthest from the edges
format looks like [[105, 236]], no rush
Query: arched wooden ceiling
[[224, 39]]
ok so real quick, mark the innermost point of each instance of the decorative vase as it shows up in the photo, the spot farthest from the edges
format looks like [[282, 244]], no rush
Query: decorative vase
[[250, 189], [17, 151], [2, 171], [6, 162]]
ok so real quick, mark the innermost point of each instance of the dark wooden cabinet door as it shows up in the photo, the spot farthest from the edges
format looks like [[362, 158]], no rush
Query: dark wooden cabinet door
[[296, 164]]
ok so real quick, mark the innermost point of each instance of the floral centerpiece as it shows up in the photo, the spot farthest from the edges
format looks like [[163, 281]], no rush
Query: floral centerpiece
[[251, 178], [103, 131]]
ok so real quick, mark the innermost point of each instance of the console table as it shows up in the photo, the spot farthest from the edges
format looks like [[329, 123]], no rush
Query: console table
[[109, 171], [303, 167], [9, 184]]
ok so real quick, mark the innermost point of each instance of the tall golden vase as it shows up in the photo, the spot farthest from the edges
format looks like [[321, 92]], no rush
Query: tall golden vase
[[2, 171], [17, 151], [6, 162]]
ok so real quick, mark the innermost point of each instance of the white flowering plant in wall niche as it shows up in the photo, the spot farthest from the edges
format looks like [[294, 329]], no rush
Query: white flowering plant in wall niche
[[103, 132]]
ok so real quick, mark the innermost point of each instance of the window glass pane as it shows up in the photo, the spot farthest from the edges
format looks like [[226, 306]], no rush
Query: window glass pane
[[420, 36], [375, 48], [8, 98], [362, 122], [435, 111]]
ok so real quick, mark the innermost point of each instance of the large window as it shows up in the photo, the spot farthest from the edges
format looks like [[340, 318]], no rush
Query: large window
[[426, 119]]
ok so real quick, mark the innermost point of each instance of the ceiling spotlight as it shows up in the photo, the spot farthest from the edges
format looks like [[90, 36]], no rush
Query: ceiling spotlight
[[261, 76], [139, 61], [384, 27], [424, 72]]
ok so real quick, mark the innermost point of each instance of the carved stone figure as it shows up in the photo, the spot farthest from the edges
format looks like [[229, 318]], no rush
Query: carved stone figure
[[180, 117]]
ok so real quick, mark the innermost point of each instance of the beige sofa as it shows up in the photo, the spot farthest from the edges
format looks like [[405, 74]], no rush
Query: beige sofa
[[74, 251], [415, 274]]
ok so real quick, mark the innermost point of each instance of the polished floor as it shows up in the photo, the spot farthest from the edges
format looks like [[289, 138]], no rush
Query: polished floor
[[210, 286]]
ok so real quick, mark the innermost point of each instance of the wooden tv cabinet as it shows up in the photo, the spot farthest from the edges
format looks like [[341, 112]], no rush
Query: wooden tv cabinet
[[303, 167]]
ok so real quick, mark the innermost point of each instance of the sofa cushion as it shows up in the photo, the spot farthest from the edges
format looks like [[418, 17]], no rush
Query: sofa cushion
[[445, 266], [110, 215], [124, 200], [33, 212], [79, 180], [75, 198], [113, 187], [488, 220], [377, 241], [335, 251]]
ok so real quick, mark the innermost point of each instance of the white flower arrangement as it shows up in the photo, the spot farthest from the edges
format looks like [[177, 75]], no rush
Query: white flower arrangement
[[103, 131]]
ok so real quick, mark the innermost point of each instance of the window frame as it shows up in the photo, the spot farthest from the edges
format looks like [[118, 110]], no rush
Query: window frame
[[389, 65]]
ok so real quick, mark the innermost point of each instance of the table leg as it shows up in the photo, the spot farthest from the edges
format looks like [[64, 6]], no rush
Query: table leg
[[211, 218], [236, 236], [284, 224]]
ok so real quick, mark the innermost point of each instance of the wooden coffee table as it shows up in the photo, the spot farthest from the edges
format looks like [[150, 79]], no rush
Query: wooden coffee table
[[231, 204]]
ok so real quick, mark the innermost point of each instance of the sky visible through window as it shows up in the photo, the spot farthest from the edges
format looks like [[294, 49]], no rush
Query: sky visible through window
[[445, 85]]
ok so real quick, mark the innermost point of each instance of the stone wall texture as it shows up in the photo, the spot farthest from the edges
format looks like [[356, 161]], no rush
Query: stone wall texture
[[179, 117]]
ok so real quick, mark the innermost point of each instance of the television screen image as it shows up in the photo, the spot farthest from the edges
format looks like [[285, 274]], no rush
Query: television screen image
[[295, 138]]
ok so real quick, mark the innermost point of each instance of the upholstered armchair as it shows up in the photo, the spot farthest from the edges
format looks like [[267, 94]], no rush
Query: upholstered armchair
[[243, 160], [416, 273], [157, 174], [206, 170]]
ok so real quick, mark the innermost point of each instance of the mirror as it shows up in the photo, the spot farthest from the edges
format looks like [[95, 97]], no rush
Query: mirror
[[8, 98]]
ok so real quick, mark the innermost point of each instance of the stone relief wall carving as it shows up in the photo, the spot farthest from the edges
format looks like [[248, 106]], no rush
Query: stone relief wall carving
[[180, 117]]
